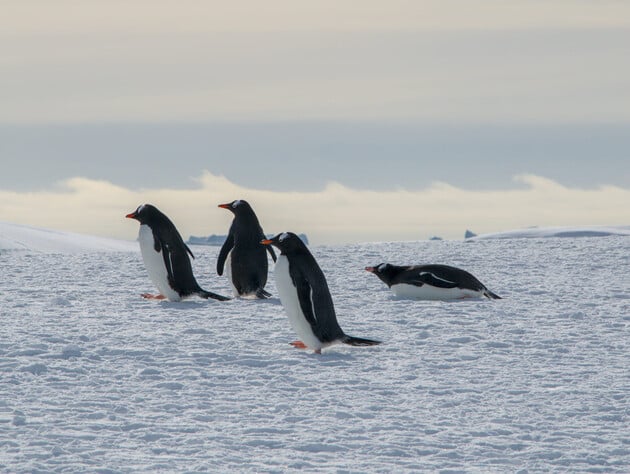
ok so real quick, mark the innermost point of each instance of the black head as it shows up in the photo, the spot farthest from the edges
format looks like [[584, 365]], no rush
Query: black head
[[145, 213], [385, 271], [286, 242], [238, 207]]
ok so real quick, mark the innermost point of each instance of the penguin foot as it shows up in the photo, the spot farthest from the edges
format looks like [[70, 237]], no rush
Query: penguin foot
[[298, 345], [149, 296]]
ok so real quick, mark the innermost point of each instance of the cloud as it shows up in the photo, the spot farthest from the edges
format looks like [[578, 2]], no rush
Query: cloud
[[68, 61], [334, 214], [173, 16]]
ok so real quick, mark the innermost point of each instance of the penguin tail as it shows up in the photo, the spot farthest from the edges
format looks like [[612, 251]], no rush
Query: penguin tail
[[490, 295], [208, 294], [262, 294], [358, 341]]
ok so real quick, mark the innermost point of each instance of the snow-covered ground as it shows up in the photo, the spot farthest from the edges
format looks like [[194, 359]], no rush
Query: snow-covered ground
[[95, 379]]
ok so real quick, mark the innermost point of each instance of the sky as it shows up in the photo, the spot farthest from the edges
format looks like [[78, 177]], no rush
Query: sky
[[345, 120]]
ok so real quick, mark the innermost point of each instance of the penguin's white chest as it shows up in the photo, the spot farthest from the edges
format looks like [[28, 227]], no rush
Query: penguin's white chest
[[291, 303], [428, 292], [154, 263]]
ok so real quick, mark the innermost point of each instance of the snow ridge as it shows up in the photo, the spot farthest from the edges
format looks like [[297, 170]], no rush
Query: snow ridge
[[35, 239]]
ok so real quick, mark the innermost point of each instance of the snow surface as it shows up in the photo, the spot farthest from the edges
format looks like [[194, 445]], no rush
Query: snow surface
[[95, 379]]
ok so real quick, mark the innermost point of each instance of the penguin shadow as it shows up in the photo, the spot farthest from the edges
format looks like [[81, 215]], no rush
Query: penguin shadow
[[328, 357], [248, 300], [393, 297], [271, 300], [184, 305]]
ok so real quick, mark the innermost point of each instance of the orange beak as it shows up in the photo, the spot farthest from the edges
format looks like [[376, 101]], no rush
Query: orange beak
[[224, 206], [266, 242], [370, 269], [131, 215]]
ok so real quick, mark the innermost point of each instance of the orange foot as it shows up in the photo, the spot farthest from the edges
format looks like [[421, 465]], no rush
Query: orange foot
[[149, 296], [298, 344]]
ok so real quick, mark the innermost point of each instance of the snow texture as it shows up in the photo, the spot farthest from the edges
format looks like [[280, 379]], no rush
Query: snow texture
[[96, 379]]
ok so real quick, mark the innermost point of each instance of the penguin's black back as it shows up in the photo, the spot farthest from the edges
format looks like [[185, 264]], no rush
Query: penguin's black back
[[395, 274], [174, 250], [462, 278], [249, 266], [313, 291]]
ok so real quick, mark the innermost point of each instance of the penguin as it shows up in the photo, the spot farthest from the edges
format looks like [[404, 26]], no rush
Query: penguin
[[431, 282], [242, 255], [165, 257], [305, 296]]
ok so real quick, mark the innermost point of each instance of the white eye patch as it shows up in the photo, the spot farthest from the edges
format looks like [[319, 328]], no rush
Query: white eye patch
[[235, 204], [284, 236], [381, 267]]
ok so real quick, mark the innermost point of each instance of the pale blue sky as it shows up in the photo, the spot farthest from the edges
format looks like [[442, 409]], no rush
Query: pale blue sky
[[289, 96], [301, 155]]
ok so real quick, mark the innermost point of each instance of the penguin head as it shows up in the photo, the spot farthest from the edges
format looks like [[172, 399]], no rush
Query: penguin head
[[144, 213], [385, 271], [239, 206], [286, 242]]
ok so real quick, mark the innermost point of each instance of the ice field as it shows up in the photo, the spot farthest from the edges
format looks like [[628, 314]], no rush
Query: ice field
[[95, 379]]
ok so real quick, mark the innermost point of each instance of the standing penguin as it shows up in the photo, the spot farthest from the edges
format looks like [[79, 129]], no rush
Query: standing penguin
[[431, 282], [242, 255], [305, 296], [165, 257]]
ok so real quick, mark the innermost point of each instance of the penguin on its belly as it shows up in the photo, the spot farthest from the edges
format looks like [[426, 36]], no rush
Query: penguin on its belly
[[242, 255], [166, 258], [305, 296], [431, 282]]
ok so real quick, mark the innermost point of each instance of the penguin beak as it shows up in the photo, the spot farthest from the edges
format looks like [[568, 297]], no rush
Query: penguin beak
[[131, 215], [266, 241], [225, 206], [370, 269]]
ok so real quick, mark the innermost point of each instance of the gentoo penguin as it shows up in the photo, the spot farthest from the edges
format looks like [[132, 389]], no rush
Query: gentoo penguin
[[431, 282], [165, 256], [305, 296], [242, 255]]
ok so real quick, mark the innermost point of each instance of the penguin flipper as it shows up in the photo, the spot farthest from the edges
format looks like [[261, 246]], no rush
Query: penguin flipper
[[177, 263], [223, 253], [188, 250], [305, 293], [323, 322], [271, 252], [433, 280], [269, 247], [168, 262]]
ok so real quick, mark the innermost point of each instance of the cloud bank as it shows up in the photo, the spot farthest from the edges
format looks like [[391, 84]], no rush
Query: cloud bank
[[474, 61], [335, 214]]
